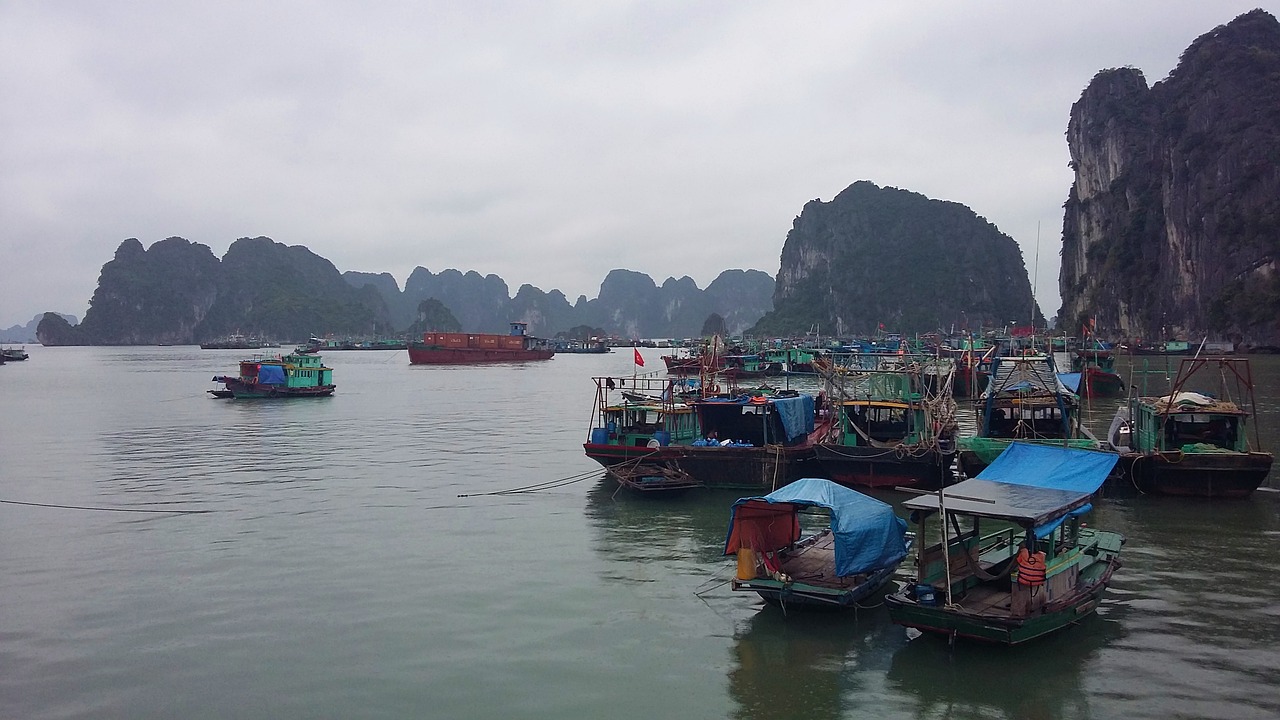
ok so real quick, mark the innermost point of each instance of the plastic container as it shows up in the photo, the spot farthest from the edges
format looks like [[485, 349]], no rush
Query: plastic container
[[663, 437], [746, 564], [599, 436], [926, 595]]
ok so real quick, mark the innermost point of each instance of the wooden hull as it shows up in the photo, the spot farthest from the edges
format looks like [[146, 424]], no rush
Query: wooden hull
[[255, 391], [1097, 383], [925, 469], [1000, 629], [1209, 475], [426, 355], [794, 593], [751, 468]]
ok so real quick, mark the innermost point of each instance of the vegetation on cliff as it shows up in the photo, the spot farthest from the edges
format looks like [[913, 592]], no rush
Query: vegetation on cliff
[[883, 257], [1172, 225]]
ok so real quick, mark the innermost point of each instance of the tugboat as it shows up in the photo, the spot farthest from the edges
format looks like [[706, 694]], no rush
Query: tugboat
[[294, 375]]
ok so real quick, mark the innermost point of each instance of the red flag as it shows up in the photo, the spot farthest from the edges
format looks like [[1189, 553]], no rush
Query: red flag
[[639, 360]]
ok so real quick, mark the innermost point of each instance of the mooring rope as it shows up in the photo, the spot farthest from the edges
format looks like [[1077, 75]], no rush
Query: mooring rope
[[105, 509]]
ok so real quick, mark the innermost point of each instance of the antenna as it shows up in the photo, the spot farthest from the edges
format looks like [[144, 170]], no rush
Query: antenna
[[1035, 276]]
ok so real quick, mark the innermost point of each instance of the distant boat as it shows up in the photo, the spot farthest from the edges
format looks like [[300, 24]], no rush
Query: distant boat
[[1038, 569], [13, 354], [1195, 440], [852, 558], [1026, 400], [440, 348], [890, 430], [291, 376], [1097, 368], [238, 342]]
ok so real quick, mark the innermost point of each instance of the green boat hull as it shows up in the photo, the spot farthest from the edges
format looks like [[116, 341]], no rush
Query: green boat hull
[[1002, 631]]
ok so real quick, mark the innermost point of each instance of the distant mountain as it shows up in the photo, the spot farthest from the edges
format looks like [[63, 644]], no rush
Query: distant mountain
[[629, 304], [178, 292], [27, 333], [886, 257], [1172, 225]]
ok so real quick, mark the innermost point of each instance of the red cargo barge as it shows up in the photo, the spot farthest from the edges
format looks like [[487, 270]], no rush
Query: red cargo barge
[[438, 348]]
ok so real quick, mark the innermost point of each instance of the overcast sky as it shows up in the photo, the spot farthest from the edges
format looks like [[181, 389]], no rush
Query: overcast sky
[[545, 142]]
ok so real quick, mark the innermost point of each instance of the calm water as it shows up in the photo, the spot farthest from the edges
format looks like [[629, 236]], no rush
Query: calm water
[[337, 572]]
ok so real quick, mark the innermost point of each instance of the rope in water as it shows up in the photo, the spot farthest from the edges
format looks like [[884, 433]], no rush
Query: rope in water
[[105, 509], [548, 485]]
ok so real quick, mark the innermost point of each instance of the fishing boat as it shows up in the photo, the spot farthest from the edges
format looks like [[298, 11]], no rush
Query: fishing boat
[[652, 477], [12, 354], [447, 348], [237, 341], [1195, 440], [290, 376], [634, 418], [753, 440], [1096, 366], [853, 557], [1026, 400], [1038, 570], [890, 430]]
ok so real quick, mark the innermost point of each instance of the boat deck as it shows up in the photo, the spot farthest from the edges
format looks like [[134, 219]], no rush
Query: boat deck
[[986, 600], [813, 564]]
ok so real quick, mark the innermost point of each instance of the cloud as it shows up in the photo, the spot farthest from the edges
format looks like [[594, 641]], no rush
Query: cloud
[[547, 143]]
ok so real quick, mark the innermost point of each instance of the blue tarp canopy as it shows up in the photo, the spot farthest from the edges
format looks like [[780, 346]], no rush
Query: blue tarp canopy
[[271, 374], [1029, 484], [868, 535], [1051, 466], [796, 414], [1070, 380]]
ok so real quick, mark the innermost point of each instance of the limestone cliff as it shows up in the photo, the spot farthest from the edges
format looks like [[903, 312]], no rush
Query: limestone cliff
[[1172, 224], [882, 256]]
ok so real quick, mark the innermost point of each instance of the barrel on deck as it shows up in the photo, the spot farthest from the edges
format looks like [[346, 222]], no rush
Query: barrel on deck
[[599, 436]]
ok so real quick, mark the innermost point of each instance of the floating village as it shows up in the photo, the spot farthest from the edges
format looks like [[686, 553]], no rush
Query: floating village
[[995, 545]]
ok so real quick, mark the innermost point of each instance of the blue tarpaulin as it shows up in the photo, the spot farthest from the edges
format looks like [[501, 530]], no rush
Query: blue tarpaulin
[[868, 535], [271, 374], [1051, 466], [1070, 380], [796, 414]]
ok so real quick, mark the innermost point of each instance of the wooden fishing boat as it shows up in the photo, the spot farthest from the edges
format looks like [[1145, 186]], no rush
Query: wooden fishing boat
[[638, 417], [1039, 570], [1195, 440], [853, 557], [442, 348], [290, 376], [890, 431], [652, 477], [12, 354], [1025, 401], [754, 441], [1097, 368]]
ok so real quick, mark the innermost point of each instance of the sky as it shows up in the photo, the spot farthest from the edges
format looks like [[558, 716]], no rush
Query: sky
[[544, 142]]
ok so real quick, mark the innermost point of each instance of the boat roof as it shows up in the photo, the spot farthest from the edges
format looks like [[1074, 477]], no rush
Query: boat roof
[[1192, 402], [1028, 484], [868, 535]]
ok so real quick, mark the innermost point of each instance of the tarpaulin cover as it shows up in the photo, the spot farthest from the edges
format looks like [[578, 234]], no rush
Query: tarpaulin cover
[[1052, 467], [271, 374], [1042, 531], [868, 535], [1070, 380], [796, 414], [1028, 484]]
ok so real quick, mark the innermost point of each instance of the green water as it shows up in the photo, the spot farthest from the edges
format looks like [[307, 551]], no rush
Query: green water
[[339, 574]]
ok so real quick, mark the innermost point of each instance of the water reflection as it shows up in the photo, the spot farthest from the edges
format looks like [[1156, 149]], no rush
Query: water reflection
[[1040, 680], [813, 665]]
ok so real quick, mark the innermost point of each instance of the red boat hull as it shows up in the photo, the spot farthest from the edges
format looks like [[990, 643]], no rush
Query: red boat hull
[[465, 356]]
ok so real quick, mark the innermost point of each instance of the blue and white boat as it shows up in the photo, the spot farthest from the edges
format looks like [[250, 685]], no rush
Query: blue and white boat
[[849, 560]]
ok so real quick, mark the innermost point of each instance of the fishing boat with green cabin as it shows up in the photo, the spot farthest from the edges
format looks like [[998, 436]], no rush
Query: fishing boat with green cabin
[[291, 376], [1013, 561]]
